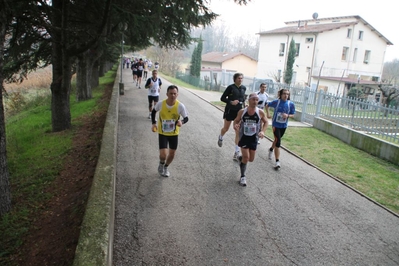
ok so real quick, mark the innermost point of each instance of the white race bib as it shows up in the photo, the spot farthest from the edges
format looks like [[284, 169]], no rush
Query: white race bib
[[249, 128], [168, 125], [280, 118]]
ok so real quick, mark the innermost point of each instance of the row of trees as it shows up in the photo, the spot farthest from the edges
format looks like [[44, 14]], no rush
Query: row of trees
[[390, 75], [221, 38], [83, 36]]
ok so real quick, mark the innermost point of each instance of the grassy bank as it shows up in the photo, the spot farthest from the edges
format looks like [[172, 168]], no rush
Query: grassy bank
[[374, 177], [37, 157]]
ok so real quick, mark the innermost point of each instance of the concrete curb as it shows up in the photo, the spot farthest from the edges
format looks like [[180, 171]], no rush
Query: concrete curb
[[97, 230]]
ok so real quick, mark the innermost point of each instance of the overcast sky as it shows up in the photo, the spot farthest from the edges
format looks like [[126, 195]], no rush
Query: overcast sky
[[261, 15]]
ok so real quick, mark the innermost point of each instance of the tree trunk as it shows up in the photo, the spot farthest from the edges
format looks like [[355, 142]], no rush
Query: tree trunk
[[87, 74], [5, 194], [109, 65], [102, 67], [95, 57], [83, 73], [95, 75], [60, 89], [62, 70]]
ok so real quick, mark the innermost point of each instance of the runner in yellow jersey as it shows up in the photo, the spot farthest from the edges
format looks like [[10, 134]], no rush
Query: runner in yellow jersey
[[168, 126]]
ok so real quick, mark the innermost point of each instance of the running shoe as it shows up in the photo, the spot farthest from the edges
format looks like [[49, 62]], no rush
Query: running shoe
[[236, 155], [270, 154], [165, 172], [160, 169], [243, 181], [278, 166], [149, 116], [220, 142]]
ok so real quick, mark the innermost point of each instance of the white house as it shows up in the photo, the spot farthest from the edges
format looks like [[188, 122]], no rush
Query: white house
[[332, 54], [218, 68]]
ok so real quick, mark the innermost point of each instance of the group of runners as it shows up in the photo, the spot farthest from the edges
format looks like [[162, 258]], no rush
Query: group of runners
[[250, 121], [140, 69]]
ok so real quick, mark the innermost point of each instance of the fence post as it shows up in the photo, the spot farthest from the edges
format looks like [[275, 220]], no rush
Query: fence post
[[223, 79], [320, 97], [305, 103], [211, 86]]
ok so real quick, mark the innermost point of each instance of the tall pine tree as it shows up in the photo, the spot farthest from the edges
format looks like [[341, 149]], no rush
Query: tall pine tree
[[196, 58], [290, 63], [193, 61]]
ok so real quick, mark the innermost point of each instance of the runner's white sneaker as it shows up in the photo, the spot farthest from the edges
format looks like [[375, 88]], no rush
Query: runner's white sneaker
[[236, 156], [160, 169], [270, 154], [220, 142], [149, 116], [278, 165], [243, 181], [165, 172]]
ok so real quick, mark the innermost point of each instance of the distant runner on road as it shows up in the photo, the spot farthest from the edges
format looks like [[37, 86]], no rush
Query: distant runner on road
[[153, 85]]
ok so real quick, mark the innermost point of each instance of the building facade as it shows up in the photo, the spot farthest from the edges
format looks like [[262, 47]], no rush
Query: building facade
[[232, 62], [332, 54]]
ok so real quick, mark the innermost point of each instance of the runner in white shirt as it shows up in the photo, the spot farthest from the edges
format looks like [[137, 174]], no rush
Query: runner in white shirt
[[153, 85], [263, 97]]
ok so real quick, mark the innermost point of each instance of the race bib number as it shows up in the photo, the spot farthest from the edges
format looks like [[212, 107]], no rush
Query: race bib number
[[153, 90], [249, 129], [280, 118], [168, 125]]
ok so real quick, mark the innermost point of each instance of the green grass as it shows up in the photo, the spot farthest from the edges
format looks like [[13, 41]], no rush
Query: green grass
[[35, 156], [178, 82], [374, 177]]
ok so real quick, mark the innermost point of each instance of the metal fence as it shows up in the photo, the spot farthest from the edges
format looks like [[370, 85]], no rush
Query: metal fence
[[218, 81], [371, 118]]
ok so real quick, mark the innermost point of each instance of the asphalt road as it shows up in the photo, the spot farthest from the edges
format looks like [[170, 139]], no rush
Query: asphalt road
[[201, 216]]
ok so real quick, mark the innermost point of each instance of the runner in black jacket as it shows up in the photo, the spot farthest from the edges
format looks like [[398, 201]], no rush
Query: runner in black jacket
[[234, 97]]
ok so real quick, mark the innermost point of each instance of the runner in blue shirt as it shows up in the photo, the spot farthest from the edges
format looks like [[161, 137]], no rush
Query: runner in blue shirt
[[283, 109]]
